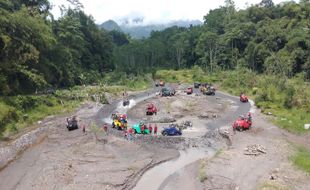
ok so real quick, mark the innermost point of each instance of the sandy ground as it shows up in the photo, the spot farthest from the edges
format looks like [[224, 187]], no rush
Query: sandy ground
[[73, 160], [200, 110], [95, 160], [231, 169], [81, 163]]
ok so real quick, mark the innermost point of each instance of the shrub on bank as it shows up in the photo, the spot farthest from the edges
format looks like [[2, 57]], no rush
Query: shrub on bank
[[287, 99], [127, 82], [183, 76], [302, 159]]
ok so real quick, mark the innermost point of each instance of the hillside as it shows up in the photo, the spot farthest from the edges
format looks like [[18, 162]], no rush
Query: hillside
[[139, 30], [110, 25]]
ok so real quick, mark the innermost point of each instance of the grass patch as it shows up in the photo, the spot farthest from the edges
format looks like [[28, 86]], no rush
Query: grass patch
[[18, 112], [168, 107], [272, 186], [291, 120], [302, 159], [184, 76], [218, 153], [23, 115], [122, 80], [202, 171], [190, 104]]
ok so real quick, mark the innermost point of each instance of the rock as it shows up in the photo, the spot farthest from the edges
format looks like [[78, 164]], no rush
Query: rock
[[167, 119], [273, 177], [203, 116], [269, 113], [307, 126], [255, 150], [185, 125], [224, 133], [178, 116]]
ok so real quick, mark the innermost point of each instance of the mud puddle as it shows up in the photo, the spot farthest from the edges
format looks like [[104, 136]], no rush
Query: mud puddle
[[154, 177]]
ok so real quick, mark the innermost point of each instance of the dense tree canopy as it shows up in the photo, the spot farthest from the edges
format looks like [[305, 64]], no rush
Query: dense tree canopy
[[264, 37], [38, 52]]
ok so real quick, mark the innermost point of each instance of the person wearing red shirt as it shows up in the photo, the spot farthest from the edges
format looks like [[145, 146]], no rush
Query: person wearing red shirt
[[155, 129], [150, 128], [130, 131]]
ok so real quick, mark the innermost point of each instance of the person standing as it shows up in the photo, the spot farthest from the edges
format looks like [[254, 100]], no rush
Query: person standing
[[150, 128], [130, 134], [105, 128], [155, 129], [125, 134]]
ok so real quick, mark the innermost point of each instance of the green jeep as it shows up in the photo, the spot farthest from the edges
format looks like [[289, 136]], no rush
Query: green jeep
[[137, 129], [166, 91]]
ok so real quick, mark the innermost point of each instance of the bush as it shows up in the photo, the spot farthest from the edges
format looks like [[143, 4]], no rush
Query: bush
[[184, 76], [131, 82], [7, 114], [302, 159]]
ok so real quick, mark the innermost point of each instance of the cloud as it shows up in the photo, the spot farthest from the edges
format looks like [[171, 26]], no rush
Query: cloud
[[152, 11]]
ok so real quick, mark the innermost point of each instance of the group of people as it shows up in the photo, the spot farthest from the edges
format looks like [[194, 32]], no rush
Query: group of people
[[143, 128], [150, 128]]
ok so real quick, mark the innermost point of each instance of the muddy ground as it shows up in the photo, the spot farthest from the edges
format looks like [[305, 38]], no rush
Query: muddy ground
[[231, 169], [200, 110], [200, 159], [77, 160]]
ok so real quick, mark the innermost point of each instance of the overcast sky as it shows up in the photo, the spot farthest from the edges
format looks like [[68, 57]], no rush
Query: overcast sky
[[153, 11]]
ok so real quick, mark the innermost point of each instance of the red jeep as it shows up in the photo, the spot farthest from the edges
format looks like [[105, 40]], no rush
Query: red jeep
[[243, 123], [189, 90], [151, 109], [243, 98]]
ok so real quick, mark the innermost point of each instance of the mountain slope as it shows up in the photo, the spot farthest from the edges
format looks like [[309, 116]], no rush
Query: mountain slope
[[110, 25], [143, 31]]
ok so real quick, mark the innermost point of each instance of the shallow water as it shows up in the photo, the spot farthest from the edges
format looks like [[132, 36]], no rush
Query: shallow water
[[124, 109], [154, 177]]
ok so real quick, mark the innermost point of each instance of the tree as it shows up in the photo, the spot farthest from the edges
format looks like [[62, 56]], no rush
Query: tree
[[22, 36], [230, 9], [279, 64], [119, 38], [214, 20], [266, 3], [207, 48], [179, 43]]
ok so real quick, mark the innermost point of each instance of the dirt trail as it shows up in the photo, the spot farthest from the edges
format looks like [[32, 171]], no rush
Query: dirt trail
[[201, 111], [73, 160], [232, 169], [80, 163], [180, 108]]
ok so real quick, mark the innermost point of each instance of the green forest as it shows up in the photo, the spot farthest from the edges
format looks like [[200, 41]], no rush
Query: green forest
[[263, 50], [265, 38]]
